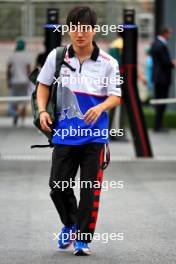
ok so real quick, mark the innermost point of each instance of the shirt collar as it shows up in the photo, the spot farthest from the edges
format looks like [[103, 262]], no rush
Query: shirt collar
[[163, 40], [94, 55]]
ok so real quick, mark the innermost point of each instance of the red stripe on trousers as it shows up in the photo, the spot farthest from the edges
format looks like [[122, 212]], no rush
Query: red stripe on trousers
[[95, 204], [97, 192], [94, 214], [92, 225]]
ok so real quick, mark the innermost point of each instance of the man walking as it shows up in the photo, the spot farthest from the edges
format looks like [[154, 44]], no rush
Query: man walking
[[162, 67], [81, 106]]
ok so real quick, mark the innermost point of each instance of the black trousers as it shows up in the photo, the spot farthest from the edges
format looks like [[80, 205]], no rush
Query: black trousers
[[66, 160], [161, 91]]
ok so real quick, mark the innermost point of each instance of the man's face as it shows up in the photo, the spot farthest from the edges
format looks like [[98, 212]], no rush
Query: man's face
[[167, 35], [82, 36]]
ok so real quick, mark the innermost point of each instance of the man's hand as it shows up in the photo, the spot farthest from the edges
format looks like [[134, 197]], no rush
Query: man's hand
[[93, 114], [45, 121], [174, 62]]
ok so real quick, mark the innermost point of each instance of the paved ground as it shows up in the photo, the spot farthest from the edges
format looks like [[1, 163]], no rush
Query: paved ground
[[144, 210]]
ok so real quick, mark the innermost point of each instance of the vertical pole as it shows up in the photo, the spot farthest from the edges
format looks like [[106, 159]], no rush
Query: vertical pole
[[29, 19], [52, 39], [158, 10], [131, 95]]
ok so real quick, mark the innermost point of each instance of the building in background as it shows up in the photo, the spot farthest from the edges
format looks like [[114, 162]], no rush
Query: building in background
[[27, 17]]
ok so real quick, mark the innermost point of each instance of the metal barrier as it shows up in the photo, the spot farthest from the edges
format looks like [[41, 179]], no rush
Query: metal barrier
[[163, 101], [5, 99]]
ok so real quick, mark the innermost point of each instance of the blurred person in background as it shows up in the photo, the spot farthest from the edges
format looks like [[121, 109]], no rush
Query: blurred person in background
[[41, 57], [18, 69], [162, 67]]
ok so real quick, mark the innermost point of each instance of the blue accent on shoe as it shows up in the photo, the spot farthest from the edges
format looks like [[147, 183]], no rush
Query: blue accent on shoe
[[65, 236], [81, 249]]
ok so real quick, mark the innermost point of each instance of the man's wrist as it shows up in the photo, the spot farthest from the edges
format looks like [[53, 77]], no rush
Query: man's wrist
[[103, 107], [42, 111]]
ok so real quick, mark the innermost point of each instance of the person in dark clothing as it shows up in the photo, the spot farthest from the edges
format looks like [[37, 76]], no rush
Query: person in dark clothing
[[41, 58], [162, 67]]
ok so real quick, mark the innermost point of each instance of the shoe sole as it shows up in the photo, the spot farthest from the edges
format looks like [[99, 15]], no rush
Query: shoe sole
[[82, 253]]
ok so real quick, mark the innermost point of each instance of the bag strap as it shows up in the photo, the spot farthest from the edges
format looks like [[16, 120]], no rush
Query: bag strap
[[106, 156], [60, 54]]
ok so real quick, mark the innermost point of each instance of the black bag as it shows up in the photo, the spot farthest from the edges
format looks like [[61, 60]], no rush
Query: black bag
[[51, 105]]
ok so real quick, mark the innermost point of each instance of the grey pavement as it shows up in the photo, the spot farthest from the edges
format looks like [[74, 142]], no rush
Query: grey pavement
[[144, 210]]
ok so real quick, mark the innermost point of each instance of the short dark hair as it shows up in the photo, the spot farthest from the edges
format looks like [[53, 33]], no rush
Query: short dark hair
[[165, 30], [83, 14]]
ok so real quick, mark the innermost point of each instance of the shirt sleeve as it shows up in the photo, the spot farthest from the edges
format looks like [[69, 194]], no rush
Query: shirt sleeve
[[113, 86], [46, 75]]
